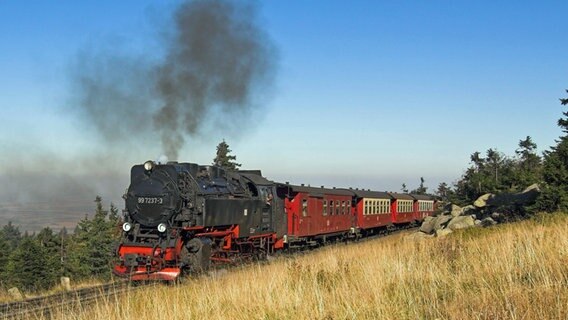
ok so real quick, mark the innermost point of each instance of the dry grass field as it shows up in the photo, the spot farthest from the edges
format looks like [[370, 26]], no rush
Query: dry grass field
[[514, 271]]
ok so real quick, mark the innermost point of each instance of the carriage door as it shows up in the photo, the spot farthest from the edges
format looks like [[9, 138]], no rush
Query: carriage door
[[305, 219]]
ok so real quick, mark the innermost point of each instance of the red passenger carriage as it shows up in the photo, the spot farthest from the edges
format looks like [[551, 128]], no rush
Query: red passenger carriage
[[402, 208], [372, 210], [317, 214], [423, 206]]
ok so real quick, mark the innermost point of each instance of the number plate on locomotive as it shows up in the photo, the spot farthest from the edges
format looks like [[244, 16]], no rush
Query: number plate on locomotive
[[150, 200]]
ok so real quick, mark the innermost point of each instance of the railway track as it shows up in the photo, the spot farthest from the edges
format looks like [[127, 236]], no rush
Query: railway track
[[42, 307]]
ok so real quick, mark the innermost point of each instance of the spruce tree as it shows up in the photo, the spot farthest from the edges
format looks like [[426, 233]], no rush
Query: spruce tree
[[100, 241], [12, 235], [52, 244], [223, 159], [421, 189], [76, 263], [4, 255], [554, 195], [529, 164], [30, 267], [91, 251]]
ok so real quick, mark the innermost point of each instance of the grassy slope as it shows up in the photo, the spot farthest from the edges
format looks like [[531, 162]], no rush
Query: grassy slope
[[515, 271]]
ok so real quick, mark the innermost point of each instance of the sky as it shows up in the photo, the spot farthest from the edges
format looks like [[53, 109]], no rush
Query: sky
[[368, 94]]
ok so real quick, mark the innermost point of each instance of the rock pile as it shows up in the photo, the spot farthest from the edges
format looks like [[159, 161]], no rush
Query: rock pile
[[484, 212]]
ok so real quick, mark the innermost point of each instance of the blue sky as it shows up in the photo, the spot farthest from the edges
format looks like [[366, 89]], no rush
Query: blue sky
[[368, 93]]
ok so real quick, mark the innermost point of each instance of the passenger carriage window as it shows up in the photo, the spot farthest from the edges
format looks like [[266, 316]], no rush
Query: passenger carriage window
[[305, 207], [324, 208]]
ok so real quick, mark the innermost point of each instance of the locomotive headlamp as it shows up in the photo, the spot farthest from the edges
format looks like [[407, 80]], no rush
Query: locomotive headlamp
[[148, 165], [162, 227], [126, 226]]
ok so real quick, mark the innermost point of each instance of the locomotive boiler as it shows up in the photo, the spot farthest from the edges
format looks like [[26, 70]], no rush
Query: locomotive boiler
[[183, 217]]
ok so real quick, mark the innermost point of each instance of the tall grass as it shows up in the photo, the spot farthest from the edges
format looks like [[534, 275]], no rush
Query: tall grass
[[516, 271]]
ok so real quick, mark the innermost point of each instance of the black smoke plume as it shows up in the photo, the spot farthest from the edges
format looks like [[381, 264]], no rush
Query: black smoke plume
[[217, 65]]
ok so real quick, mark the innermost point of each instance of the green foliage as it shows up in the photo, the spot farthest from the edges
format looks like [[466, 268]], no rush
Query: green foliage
[[12, 235], [498, 173], [223, 159], [446, 193], [31, 267], [52, 244], [554, 196], [4, 255], [37, 260], [529, 169], [91, 253], [421, 189]]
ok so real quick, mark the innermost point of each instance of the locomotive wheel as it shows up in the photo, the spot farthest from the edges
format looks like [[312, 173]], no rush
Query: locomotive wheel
[[196, 254]]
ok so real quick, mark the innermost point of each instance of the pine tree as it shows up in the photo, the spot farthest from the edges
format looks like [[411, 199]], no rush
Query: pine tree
[[91, 251], [554, 195], [100, 241], [529, 164], [4, 255], [223, 159], [12, 235], [52, 244], [77, 262], [421, 189], [30, 267]]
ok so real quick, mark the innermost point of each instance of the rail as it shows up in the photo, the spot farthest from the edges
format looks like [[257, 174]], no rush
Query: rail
[[69, 300]]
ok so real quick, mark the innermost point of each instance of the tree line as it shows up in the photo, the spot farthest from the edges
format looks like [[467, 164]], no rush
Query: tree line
[[35, 262], [495, 172]]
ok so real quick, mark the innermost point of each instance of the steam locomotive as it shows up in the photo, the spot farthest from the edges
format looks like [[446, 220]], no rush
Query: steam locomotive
[[181, 217]]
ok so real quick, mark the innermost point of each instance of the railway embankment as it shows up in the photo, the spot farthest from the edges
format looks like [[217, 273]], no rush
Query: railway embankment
[[507, 271]]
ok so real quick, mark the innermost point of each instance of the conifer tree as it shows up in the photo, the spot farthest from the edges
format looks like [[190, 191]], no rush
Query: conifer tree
[[76, 263], [223, 159], [421, 189], [4, 255], [52, 244], [12, 235], [30, 267], [554, 195], [91, 252], [529, 164]]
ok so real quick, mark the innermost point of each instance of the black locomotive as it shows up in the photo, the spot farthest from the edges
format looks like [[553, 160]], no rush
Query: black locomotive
[[179, 215]]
